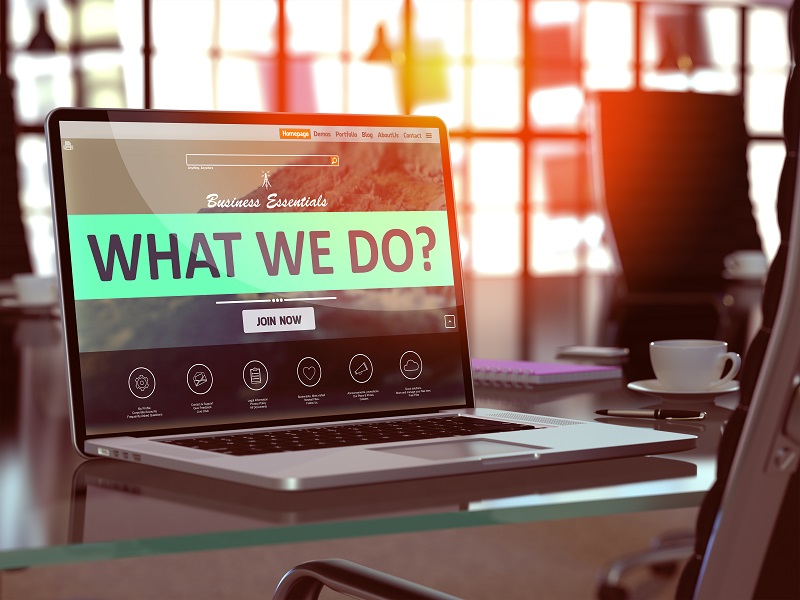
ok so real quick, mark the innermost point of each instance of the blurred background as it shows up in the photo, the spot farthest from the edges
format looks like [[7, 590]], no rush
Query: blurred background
[[513, 80]]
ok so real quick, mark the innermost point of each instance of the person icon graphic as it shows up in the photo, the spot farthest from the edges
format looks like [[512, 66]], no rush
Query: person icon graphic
[[266, 184]]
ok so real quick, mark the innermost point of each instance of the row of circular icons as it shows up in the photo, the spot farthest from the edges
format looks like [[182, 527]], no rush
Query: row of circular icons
[[142, 382]]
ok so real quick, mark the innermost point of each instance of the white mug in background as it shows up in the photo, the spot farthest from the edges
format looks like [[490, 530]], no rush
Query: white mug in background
[[35, 290], [692, 365], [746, 263]]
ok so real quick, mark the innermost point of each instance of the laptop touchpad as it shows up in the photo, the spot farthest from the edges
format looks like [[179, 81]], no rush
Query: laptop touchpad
[[473, 448]]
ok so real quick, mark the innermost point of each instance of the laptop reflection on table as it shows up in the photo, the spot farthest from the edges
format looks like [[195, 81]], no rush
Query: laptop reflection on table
[[158, 503]]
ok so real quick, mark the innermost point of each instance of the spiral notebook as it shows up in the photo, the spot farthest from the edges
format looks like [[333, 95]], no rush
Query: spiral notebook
[[520, 373]]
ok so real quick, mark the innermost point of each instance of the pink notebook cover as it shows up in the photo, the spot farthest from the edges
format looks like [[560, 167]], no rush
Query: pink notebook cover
[[519, 373]]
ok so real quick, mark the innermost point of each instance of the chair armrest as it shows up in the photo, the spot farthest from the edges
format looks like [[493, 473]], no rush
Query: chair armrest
[[306, 581]]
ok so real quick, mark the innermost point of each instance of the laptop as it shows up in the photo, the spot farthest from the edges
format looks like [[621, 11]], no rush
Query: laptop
[[276, 300]]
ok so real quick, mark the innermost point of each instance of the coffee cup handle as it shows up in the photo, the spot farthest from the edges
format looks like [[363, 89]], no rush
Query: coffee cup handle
[[736, 363]]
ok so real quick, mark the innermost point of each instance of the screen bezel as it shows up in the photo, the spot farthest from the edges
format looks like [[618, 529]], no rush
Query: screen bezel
[[64, 262]]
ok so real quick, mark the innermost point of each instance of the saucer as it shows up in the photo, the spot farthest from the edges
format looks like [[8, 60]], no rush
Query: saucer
[[744, 275], [654, 388], [13, 305]]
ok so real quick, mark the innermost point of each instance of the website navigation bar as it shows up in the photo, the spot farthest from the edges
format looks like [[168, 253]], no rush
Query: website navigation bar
[[72, 130]]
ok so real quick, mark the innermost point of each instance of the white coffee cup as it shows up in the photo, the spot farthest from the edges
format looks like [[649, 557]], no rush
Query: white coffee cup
[[35, 290], [692, 365]]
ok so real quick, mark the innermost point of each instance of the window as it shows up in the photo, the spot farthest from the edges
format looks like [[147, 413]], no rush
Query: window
[[511, 79]]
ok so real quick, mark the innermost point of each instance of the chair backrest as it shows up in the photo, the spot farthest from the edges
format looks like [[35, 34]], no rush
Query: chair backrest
[[673, 171], [748, 528]]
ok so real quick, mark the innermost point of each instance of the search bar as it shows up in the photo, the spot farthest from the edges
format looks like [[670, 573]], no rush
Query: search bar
[[262, 160]]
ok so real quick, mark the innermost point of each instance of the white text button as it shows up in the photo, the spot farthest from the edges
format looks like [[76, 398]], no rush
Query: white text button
[[278, 319]]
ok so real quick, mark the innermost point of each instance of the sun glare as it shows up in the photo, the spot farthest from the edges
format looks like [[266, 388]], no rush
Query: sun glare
[[556, 106], [492, 253], [550, 13]]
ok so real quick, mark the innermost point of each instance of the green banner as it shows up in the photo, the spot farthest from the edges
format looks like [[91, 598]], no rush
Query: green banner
[[145, 255]]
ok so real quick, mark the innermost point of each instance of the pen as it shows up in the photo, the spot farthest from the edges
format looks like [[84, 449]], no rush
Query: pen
[[659, 413]]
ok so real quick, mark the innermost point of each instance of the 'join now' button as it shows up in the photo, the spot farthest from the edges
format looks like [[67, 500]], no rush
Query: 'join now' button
[[278, 319]]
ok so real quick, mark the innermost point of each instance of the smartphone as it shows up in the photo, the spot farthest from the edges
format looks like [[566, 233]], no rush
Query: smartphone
[[591, 352]]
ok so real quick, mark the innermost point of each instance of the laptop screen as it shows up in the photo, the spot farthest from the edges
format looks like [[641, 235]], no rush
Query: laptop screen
[[224, 270]]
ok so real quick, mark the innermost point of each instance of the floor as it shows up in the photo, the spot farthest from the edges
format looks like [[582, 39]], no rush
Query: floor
[[548, 560]]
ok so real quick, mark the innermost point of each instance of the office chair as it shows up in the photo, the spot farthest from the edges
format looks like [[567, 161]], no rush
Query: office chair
[[306, 582], [671, 171], [14, 257]]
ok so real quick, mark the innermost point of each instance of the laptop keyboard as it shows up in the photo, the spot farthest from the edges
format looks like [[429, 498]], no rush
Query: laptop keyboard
[[333, 436]]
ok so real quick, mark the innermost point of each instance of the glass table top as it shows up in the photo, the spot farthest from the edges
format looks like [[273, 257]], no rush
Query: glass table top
[[57, 507]]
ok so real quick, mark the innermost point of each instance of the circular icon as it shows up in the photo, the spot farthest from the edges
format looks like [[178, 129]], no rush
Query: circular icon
[[142, 382], [309, 372], [361, 368], [410, 365], [199, 379], [255, 375]]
